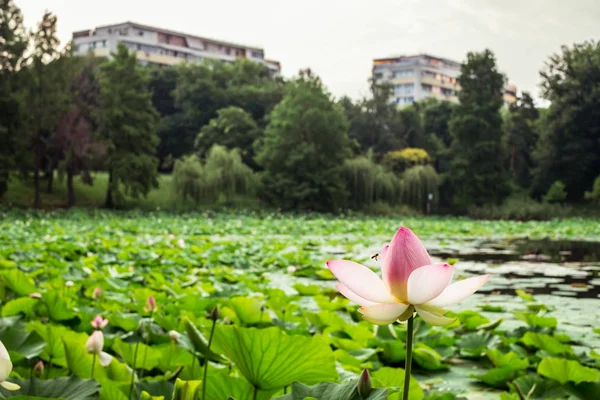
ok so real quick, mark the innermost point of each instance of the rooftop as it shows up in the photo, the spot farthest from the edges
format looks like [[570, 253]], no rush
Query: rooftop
[[405, 57], [172, 32]]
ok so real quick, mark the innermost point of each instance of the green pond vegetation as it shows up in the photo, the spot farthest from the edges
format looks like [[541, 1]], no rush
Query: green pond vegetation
[[283, 331]]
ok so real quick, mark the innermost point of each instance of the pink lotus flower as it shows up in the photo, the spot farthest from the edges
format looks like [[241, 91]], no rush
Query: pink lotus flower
[[410, 283], [95, 344], [99, 322], [150, 306]]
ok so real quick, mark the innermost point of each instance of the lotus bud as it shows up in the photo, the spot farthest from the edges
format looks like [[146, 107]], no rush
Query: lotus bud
[[174, 336], [214, 315], [283, 310], [35, 295], [95, 343], [38, 370], [364, 384], [262, 308], [150, 306]]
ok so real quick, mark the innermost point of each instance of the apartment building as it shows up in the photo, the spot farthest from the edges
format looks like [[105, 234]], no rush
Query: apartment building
[[417, 77], [165, 47]]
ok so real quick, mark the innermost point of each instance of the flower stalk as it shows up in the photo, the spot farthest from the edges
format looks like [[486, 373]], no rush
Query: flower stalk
[[408, 360]]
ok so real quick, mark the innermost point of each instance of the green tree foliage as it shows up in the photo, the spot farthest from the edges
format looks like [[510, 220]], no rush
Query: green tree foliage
[[478, 174], [435, 117], [188, 178], [127, 121], [374, 121], [47, 98], [222, 176], [74, 142], [201, 90], [13, 43], [521, 134], [556, 193], [594, 194], [174, 130], [570, 145], [304, 147], [400, 160], [368, 182], [233, 128], [418, 182]]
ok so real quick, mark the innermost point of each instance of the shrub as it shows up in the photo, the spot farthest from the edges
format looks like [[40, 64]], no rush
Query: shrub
[[556, 193], [594, 195], [521, 209], [400, 160]]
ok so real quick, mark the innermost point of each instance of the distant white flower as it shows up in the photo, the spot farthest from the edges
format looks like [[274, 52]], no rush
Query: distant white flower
[[291, 269], [35, 295], [181, 243], [69, 283]]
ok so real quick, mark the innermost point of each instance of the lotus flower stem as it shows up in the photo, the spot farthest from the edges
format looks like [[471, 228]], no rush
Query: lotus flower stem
[[93, 364], [255, 393], [210, 338], [135, 352], [408, 361]]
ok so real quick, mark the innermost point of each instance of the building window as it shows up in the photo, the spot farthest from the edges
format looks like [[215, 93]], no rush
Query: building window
[[104, 43], [403, 73], [140, 33], [228, 51], [257, 54], [92, 45], [404, 89], [138, 46]]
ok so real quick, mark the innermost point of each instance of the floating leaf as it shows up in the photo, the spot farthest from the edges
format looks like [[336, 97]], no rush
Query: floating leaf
[[331, 391], [563, 371], [270, 359]]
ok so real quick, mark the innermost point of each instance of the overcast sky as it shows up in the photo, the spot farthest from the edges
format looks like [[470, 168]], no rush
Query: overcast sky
[[338, 39]]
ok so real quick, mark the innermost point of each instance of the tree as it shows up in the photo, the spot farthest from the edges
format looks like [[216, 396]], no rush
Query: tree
[[203, 89], [127, 121], [304, 147], [521, 133], [74, 140], [233, 128], [47, 95], [13, 44], [570, 144], [477, 173], [175, 131], [435, 117], [375, 122]]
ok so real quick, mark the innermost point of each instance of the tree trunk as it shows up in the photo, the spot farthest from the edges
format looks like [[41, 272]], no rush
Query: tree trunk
[[109, 202], [513, 160], [70, 190], [50, 175], [37, 202]]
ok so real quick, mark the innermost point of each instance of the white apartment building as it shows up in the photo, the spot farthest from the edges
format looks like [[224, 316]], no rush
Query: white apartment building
[[417, 77], [165, 47]]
